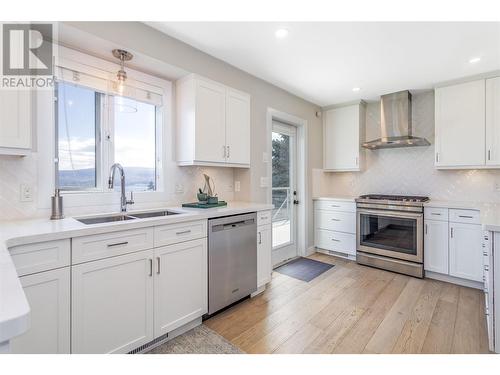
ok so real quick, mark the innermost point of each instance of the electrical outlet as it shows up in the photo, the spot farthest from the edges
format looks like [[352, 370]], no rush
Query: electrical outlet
[[179, 188], [26, 193], [237, 186], [264, 182], [265, 157]]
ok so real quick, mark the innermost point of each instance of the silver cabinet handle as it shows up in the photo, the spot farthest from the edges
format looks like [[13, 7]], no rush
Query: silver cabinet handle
[[158, 266], [333, 239], [356, 160], [335, 219], [260, 238], [150, 267], [466, 216], [228, 152], [118, 244], [425, 228], [451, 232], [333, 205], [437, 157], [183, 232], [435, 213], [485, 253], [489, 154]]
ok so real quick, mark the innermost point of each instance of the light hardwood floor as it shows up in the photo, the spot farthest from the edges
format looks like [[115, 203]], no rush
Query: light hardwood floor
[[357, 309]]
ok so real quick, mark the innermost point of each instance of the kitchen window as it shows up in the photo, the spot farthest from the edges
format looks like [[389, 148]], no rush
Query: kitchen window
[[96, 129]]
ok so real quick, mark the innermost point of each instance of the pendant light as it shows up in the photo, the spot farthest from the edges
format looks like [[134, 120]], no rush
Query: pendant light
[[121, 76]]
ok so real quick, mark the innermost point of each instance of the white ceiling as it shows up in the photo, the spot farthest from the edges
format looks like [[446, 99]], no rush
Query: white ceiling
[[322, 62]]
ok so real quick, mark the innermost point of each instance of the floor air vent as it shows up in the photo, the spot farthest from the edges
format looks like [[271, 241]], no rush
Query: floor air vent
[[150, 345]]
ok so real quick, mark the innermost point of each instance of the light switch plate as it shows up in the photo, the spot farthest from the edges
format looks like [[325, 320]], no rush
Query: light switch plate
[[237, 186], [26, 193]]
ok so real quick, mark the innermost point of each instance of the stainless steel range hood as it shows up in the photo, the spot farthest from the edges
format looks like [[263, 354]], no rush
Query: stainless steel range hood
[[395, 122]]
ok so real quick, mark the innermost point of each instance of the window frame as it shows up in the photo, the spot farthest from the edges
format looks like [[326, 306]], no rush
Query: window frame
[[105, 142]]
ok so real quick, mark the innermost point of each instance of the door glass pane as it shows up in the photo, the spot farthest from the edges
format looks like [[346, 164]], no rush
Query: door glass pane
[[389, 233], [135, 143], [77, 126], [281, 194]]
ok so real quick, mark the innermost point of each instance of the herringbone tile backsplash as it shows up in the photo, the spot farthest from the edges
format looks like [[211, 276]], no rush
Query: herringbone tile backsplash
[[409, 170]]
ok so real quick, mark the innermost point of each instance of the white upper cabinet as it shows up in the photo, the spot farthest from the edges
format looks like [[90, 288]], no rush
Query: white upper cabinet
[[467, 125], [213, 124], [342, 139], [493, 121], [237, 127], [15, 122]]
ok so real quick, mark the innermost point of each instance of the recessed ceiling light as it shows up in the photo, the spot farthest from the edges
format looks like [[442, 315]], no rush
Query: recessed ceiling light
[[281, 33], [356, 89], [475, 60]]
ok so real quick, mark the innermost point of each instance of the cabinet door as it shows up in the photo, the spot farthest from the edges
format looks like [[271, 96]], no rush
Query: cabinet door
[[181, 284], [237, 127], [112, 304], [466, 259], [493, 121], [48, 294], [436, 246], [210, 122], [264, 250], [460, 125], [341, 141], [15, 119]]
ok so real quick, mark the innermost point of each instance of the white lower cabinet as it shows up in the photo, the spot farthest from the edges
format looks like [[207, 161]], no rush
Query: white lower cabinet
[[264, 251], [48, 294], [466, 259], [436, 246], [180, 285], [112, 304]]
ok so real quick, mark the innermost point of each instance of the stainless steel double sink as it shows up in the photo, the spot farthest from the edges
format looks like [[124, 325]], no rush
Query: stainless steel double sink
[[124, 217]]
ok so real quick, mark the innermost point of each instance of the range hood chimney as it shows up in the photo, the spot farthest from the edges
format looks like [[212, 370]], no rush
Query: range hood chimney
[[395, 122]]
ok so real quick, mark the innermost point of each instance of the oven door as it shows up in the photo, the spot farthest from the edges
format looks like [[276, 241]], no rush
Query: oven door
[[393, 234]]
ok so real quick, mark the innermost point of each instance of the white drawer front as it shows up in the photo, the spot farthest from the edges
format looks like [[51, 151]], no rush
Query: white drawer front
[[43, 256], [175, 233], [336, 206], [336, 241], [336, 221], [465, 216], [436, 213], [111, 244], [263, 217]]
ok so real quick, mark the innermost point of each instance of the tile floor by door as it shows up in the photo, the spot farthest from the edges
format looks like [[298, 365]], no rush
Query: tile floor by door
[[356, 309]]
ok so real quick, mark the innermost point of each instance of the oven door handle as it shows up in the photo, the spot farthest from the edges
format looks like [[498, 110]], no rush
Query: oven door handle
[[404, 215]]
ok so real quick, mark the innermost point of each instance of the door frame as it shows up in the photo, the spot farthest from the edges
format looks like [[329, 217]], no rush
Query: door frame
[[302, 188]]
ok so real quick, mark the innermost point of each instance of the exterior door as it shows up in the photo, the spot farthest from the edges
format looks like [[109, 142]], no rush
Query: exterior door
[[284, 193]]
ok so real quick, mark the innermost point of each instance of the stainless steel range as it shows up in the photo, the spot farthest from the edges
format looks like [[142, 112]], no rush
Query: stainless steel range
[[390, 233]]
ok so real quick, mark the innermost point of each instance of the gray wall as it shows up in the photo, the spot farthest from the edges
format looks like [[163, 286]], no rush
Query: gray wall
[[148, 41]]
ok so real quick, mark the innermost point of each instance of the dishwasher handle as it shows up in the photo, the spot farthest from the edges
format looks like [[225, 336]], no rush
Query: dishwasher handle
[[235, 224]]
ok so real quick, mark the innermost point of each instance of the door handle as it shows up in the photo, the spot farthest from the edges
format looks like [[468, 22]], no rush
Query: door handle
[[451, 232], [260, 238], [150, 267], [158, 260]]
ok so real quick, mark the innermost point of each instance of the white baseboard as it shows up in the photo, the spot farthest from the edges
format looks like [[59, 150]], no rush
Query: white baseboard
[[454, 280]]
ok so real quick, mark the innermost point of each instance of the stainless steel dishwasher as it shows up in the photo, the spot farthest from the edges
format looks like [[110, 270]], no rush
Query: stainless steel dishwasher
[[232, 259]]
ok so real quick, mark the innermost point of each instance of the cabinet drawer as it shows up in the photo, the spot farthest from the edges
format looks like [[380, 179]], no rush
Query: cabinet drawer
[[336, 241], [464, 216], [43, 256], [336, 206], [336, 221], [106, 245], [436, 213], [263, 217], [175, 233]]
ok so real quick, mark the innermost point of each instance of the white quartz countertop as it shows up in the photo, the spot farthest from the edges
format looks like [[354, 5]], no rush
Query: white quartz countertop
[[338, 198], [14, 308]]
